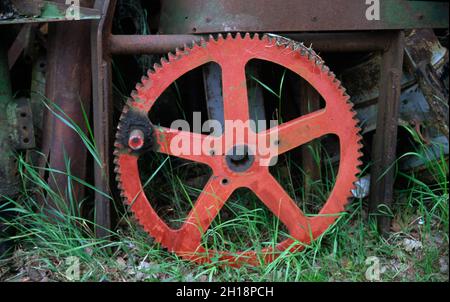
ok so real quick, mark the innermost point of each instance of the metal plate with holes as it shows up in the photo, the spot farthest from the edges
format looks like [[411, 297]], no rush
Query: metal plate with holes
[[24, 138]]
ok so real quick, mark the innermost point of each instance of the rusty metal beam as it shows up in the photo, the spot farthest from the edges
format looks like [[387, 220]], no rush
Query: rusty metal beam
[[208, 16], [326, 42], [385, 141], [20, 43], [68, 86], [140, 44], [363, 41], [102, 114]]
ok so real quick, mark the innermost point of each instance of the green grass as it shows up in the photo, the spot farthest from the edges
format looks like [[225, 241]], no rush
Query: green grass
[[48, 235], [340, 254]]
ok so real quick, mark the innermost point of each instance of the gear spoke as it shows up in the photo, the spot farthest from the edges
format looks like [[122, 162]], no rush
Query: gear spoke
[[299, 131], [208, 205], [235, 100], [281, 204], [184, 144]]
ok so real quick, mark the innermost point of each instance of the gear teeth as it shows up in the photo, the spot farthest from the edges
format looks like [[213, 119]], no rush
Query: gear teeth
[[359, 163], [192, 45], [134, 94], [229, 36], [247, 36], [144, 80], [164, 61], [291, 45], [171, 56], [325, 68], [303, 52], [139, 86], [117, 177], [331, 74], [178, 52], [219, 37], [184, 49], [156, 67]]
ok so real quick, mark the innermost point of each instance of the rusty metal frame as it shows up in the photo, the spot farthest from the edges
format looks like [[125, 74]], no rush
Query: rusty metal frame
[[389, 42], [200, 17], [102, 113]]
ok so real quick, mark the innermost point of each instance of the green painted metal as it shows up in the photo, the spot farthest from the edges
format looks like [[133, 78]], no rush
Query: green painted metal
[[212, 16], [51, 10], [55, 12], [415, 14]]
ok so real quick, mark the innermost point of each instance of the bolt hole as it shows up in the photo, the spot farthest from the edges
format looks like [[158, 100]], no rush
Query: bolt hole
[[225, 181], [26, 140], [277, 142], [212, 153], [23, 114], [24, 128], [194, 29]]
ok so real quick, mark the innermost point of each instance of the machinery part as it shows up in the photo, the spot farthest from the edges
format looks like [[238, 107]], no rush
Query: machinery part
[[22, 124], [427, 58], [34, 11], [385, 138], [232, 54], [326, 42], [68, 87], [7, 10], [16, 132], [102, 113], [8, 169], [209, 16]]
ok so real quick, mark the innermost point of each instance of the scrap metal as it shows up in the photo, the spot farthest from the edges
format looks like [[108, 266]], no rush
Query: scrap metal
[[227, 174]]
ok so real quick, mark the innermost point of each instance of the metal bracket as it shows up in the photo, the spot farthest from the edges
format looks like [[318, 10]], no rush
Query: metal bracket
[[22, 131]]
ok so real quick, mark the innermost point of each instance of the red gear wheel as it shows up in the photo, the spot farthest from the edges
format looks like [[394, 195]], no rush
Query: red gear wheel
[[232, 54]]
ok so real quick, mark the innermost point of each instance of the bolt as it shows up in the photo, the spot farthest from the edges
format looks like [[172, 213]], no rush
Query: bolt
[[136, 139]]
